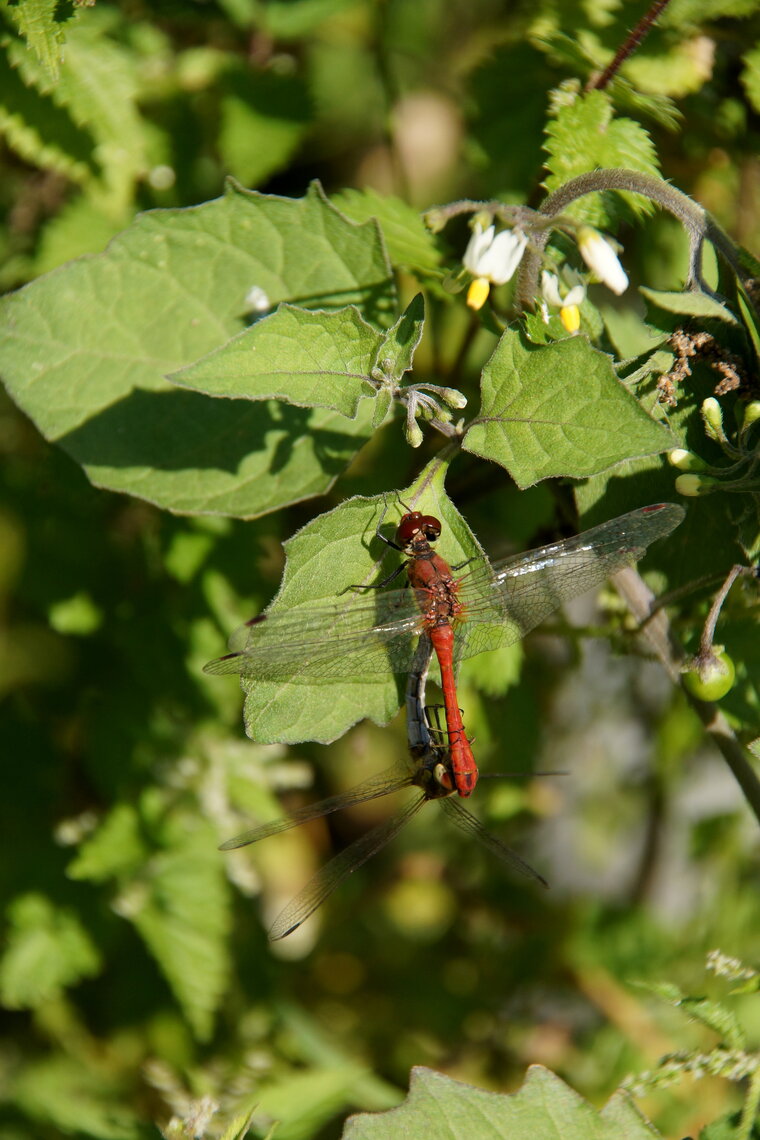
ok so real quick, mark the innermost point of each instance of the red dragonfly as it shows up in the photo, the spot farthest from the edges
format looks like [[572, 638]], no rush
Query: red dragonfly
[[484, 608], [431, 773]]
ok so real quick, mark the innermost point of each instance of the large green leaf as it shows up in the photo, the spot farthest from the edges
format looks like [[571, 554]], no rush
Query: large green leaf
[[311, 360], [558, 410], [85, 351], [440, 1108]]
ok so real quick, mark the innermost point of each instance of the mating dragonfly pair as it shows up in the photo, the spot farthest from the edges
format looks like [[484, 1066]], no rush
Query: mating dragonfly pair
[[484, 608]]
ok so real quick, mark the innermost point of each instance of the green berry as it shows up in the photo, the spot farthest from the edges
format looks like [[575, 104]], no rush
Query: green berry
[[712, 678]]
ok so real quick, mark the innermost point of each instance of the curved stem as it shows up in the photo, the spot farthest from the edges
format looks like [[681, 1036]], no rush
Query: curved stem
[[695, 220]]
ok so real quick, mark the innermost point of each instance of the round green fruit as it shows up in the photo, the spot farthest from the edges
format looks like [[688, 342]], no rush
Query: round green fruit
[[711, 679]]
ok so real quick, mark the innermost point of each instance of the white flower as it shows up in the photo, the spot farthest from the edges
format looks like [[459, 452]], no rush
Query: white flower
[[569, 312], [602, 260], [492, 259]]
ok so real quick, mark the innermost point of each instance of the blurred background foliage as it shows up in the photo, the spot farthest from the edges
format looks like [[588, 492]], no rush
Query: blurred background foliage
[[136, 977]]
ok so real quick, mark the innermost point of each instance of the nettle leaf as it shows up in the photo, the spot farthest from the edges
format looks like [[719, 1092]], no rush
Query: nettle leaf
[[410, 243], [98, 87], [85, 351], [558, 410], [40, 132], [36, 21], [46, 950], [440, 1108], [328, 556], [181, 908], [584, 136], [309, 359]]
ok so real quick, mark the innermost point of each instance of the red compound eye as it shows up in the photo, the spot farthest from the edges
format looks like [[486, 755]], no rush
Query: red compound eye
[[414, 524]]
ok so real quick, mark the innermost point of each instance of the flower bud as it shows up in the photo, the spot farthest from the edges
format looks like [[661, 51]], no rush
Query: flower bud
[[453, 397], [689, 485], [685, 460], [413, 433], [712, 414]]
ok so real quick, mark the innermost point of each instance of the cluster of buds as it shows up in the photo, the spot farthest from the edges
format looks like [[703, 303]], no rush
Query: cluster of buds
[[701, 478]]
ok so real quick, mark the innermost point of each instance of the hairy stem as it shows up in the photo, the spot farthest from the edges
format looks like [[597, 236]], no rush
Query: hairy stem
[[629, 45], [695, 220]]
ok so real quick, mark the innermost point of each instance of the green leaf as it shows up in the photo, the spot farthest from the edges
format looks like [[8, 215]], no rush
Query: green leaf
[[751, 76], [396, 353], [308, 359], [409, 241], [116, 848], [78, 1098], [38, 130], [291, 19], [690, 304], [264, 117], [712, 1014], [328, 556], [304, 1102], [584, 136], [84, 351], [440, 1108], [47, 949], [98, 87], [558, 410], [36, 21], [181, 908]]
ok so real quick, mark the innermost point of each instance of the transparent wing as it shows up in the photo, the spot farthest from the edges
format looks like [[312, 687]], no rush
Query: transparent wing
[[391, 780], [468, 823], [338, 869], [308, 643], [359, 635], [518, 593]]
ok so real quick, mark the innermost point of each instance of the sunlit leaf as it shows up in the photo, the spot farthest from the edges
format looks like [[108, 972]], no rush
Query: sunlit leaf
[[84, 351], [443, 1109], [556, 410]]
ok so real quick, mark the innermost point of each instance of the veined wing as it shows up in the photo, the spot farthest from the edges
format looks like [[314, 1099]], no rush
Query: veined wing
[[310, 643], [338, 869], [468, 823], [518, 593], [391, 780]]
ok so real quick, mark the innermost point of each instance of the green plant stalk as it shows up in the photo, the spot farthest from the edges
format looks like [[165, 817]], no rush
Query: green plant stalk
[[751, 1107]]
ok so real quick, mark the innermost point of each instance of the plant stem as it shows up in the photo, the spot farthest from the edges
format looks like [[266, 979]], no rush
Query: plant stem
[[751, 1107], [695, 220], [629, 45], [655, 627]]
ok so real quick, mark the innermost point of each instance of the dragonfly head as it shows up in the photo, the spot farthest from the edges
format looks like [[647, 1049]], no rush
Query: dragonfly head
[[415, 528], [433, 773]]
